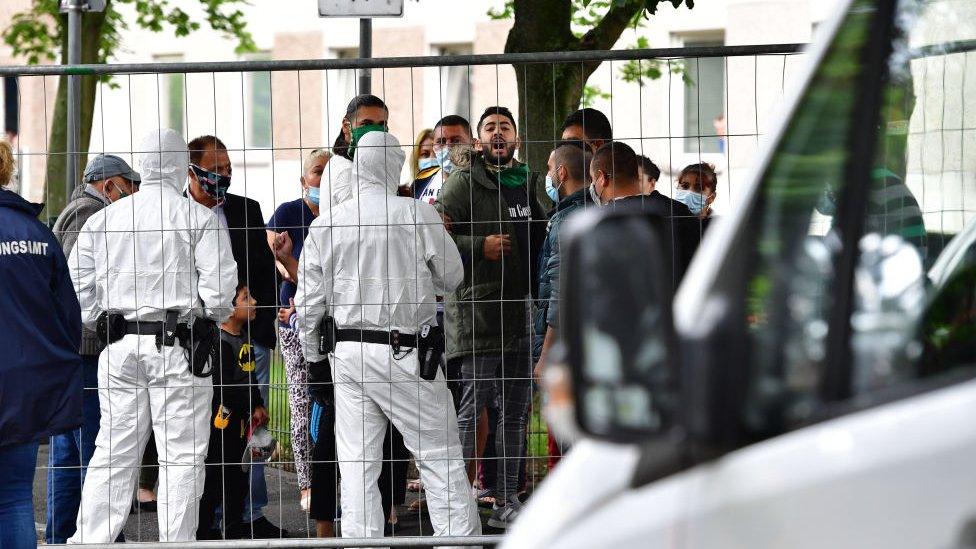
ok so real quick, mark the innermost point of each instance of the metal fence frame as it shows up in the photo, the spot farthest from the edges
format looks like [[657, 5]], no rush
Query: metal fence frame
[[383, 63]]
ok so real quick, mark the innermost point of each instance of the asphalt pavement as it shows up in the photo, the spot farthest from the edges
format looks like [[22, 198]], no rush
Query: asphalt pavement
[[283, 509]]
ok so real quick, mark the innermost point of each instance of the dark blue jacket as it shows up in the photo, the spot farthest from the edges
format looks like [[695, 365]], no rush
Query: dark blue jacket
[[40, 329], [547, 312]]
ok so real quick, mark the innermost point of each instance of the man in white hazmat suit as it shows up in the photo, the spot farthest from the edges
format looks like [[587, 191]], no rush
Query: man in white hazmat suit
[[156, 258], [375, 264]]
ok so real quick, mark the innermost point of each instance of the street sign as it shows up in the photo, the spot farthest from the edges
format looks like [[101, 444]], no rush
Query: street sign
[[361, 8], [84, 5]]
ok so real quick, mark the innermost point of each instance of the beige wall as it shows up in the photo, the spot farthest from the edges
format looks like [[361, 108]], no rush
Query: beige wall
[[37, 96], [401, 89], [296, 97], [492, 84]]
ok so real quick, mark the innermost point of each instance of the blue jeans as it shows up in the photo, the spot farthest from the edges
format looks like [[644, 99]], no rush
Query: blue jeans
[[17, 465], [257, 498], [68, 461]]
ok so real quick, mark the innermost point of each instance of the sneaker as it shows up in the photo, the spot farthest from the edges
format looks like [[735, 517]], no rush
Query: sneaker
[[503, 517], [262, 528]]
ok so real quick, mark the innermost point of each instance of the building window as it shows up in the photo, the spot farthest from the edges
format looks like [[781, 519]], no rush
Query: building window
[[172, 94], [342, 86], [258, 131], [453, 83], [704, 100], [11, 107]]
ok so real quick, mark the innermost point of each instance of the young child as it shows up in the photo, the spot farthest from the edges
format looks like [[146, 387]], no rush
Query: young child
[[236, 403]]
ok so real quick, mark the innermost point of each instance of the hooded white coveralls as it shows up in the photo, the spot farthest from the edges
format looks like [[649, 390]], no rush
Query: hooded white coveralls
[[144, 254], [377, 261]]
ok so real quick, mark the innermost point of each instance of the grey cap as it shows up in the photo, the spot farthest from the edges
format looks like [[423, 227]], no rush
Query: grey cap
[[104, 166]]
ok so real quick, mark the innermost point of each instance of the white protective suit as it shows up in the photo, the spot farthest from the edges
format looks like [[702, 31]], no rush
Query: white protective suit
[[147, 253], [377, 261]]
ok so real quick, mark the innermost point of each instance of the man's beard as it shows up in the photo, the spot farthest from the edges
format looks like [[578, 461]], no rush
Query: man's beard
[[499, 152]]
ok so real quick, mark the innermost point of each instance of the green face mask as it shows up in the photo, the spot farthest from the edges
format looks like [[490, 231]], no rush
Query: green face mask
[[358, 133]]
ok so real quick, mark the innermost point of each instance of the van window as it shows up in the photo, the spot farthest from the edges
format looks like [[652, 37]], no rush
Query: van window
[[788, 283], [914, 312]]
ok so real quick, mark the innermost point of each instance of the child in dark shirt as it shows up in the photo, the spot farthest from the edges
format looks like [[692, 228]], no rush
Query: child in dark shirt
[[236, 404]]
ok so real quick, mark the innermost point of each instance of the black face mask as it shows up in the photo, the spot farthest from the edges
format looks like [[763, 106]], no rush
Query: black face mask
[[213, 183]]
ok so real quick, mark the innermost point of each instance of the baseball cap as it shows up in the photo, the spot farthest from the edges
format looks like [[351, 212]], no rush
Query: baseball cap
[[104, 166]]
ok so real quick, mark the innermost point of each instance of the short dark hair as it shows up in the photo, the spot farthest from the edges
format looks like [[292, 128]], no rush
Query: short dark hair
[[454, 120], [594, 123], [241, 284], [200, 145], [497, 110], [576, 158], [617, 160], [650, 168], [341, 146]]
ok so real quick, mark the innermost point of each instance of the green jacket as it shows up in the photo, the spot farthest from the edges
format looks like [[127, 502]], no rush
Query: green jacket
[[486, 314]]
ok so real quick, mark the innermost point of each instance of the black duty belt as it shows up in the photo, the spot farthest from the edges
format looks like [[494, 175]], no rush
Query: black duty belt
[[144, 328], [392, 338]]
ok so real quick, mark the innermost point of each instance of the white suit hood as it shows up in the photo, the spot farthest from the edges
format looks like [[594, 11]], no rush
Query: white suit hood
[[163, 159], [378, 163]]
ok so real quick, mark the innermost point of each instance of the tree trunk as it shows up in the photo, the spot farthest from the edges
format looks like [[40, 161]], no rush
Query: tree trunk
[[549, 92], [56, 195]]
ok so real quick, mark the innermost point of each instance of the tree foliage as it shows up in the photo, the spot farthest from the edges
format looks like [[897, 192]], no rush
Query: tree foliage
[[40, 34], [37, 34]]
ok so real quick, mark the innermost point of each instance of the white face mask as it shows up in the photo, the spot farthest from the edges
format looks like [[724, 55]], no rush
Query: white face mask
[[595, 195]]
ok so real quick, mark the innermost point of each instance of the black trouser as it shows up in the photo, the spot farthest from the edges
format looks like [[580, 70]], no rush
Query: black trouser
[[226, 483], [325, 471]]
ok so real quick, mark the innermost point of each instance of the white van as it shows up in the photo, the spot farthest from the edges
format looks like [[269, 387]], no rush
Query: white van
[[814, 383]]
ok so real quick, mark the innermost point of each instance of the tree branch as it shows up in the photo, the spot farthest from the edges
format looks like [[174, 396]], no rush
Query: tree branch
[[605, 34]]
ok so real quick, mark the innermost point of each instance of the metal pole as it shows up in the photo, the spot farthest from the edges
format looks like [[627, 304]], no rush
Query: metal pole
[[365, 52], [73, 8]]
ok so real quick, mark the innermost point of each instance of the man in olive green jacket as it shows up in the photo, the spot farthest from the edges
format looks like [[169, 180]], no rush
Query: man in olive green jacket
[[497, 218]]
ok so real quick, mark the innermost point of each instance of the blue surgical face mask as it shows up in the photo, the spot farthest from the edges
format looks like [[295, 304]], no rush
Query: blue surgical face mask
[[313, 195], [694, 201], [443, 157], [551, 189], [425, 163]]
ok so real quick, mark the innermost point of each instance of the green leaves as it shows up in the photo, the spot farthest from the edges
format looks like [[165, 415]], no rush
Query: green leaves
[[37, 33], [640, 70]]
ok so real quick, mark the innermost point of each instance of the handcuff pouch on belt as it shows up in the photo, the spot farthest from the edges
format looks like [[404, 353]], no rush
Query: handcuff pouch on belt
[[327, 335], [201, 344], [430, 349], [110, 327]]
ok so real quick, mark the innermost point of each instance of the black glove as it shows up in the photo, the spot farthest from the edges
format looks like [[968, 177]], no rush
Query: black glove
[[320, 383]]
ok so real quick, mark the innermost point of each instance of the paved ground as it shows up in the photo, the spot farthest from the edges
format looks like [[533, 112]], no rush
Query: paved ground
[[283, 509]]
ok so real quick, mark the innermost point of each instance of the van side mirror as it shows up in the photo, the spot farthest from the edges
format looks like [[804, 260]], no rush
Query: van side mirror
[[616, 286]]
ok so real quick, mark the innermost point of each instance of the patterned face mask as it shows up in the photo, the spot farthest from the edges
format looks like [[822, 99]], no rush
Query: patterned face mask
[[213, 183]]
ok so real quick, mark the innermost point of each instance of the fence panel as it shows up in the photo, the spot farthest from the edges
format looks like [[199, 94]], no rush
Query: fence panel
[[675, 106]]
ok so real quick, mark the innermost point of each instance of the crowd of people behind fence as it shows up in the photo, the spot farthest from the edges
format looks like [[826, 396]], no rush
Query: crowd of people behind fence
[[412, 321]]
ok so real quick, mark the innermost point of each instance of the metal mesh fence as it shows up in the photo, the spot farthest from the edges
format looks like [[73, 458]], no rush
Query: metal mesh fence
[[374, 262]]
